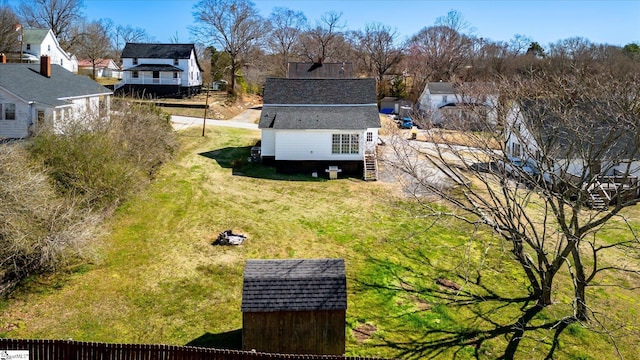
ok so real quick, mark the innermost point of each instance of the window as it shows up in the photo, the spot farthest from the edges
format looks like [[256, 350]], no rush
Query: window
[[28, 46], [444, 98], [515, 149], [135, 75], [345, 143], [9, 111], [48, 48], [369, 136], [175, 74], [156, 74], [176, 62]]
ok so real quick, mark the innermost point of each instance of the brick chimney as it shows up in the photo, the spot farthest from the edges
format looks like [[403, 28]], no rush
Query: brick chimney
[[3, 59], [45, 66]]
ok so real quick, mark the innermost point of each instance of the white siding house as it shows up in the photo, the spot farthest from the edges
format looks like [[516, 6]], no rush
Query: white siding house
[[533, 131], [40, 42], [311, 124], [44, 95], [160, 70], [444, 102]]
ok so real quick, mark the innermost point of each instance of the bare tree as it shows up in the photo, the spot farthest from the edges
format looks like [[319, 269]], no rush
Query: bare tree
[[8, 35], [58, 15], [233, 25], [378, 49], [559, 206], [286, 27], [94, 43], [123, 34], [326, 41]]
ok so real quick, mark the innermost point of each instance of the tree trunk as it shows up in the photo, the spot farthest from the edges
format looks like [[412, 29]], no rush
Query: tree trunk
[[581, 310], [232, 88]]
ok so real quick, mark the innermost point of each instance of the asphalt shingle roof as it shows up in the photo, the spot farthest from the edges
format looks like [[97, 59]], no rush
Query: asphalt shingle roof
[[341, 104], [154, 67], [157, 51], [319, 91], [34, 36], [25, 81], [294, 285], [320, 117], [441, 88]]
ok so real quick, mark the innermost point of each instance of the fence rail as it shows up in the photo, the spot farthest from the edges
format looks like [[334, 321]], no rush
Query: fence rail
[[77, 350]]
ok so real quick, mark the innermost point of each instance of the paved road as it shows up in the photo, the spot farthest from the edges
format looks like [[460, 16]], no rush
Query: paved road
[[245, 120]]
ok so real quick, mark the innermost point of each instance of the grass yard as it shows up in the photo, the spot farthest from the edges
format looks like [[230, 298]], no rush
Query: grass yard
[[155, 276]]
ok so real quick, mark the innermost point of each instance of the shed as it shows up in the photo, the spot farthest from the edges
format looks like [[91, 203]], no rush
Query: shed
[[294, 306]]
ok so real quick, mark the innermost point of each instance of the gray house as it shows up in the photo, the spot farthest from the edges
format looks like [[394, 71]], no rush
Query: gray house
[[309, 125], [294, 306], [33, 96]]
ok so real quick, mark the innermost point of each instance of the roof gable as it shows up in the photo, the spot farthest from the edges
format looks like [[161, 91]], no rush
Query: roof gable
[[294, 285], [36, 36], [26, 82]]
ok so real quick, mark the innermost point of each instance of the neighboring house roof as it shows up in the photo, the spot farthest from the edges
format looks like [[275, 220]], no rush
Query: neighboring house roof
[[294, 285], [100, 63], [441, 88], [308, 70], [154, 67], [157, 51], [160, 51], [319, 91], [34, 36], [26, 82], [582, 126], [348, 104]]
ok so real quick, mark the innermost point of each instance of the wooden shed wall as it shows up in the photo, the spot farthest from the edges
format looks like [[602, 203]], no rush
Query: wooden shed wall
[[295, 332]]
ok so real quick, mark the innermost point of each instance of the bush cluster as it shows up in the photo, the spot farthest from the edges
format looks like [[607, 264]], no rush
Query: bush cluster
[[57, 187], [101, 163]]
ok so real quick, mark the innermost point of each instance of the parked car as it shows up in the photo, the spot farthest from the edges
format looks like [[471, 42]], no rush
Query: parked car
[[405, 123]]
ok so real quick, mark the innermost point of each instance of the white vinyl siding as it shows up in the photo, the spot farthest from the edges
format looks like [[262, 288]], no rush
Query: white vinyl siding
[[311, 145]]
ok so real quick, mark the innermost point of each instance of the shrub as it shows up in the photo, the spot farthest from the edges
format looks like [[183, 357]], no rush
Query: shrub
[[101, 163], [39, 230]]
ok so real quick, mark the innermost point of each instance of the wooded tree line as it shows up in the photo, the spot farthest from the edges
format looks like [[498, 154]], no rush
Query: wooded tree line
[[252, 47]]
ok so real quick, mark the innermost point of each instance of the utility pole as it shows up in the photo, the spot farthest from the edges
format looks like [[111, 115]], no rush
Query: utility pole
[[206, 107]]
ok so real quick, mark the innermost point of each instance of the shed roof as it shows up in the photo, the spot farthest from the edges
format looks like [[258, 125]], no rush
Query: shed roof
[[319, 91], [26, 82], [294, 285]]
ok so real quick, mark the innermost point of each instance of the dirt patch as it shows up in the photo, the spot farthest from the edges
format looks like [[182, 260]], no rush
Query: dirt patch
[[364, 332]]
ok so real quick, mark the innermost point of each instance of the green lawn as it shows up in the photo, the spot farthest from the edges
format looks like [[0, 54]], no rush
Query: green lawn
[[155, 276]]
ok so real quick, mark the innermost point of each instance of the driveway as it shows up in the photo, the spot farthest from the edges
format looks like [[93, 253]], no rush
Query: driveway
[[245, 120]]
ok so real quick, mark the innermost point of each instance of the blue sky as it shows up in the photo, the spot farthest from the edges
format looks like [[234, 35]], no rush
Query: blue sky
[[614, 22]]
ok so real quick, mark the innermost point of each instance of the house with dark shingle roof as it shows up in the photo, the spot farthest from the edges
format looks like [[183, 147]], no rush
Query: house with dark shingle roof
[[309, 125], [33, 96], [160, 70], [294, 306]]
